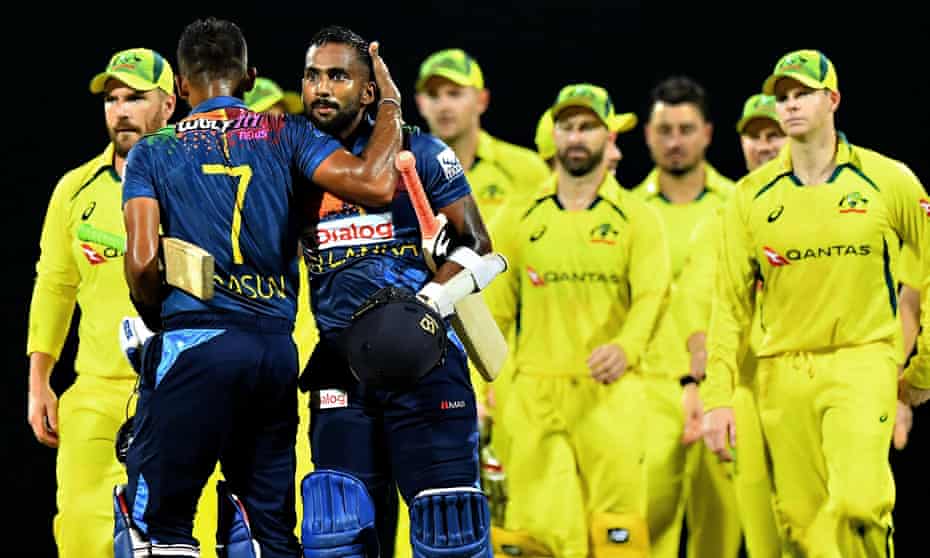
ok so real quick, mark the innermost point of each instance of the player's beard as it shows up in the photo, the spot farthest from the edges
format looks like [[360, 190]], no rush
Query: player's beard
[[124, 140], [581, 167], [340, 120]]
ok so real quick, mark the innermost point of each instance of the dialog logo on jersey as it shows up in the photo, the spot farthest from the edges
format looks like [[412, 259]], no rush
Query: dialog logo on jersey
[[355, 231], [92, 255], [853, 202], [333, 399], [774, 258]]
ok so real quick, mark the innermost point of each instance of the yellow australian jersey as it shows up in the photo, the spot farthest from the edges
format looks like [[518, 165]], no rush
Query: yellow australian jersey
[[579, 279], [81, 260], [503, 172], [667, 354], [823, 254]]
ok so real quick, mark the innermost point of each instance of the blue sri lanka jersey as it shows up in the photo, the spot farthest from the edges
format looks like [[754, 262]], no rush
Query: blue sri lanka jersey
[[352, 251], [224, 180]]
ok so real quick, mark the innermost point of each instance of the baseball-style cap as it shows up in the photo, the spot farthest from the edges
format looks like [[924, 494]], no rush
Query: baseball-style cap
[[139, 68], [545, 143], [809, 67], [598, 100], [757, 106], [266, 93], [455, 65]]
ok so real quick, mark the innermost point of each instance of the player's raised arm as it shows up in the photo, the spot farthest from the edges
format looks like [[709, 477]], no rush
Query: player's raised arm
[[370, 178]]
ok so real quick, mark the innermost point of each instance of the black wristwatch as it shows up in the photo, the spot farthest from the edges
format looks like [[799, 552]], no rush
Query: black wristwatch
[[688, 379]]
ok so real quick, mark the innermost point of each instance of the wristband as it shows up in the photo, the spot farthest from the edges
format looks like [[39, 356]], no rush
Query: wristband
[[688, 379]]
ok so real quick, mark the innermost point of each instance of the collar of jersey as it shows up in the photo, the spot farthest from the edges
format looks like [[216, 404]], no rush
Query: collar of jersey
[[609, 189], [846, 156], [214, 103], [485, 150], [713, 182], [103, 160]]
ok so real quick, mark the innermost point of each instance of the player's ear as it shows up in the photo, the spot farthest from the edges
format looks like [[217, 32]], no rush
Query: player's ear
[[369, 93], [168, 105], [181, 83], [248, 81], [834, 99], [484, 99]]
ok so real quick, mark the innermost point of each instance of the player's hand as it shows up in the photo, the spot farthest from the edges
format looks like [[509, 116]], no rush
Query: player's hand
[[720, 432], [43, 414], [607, 363], [911, 395], [132, 335], [693, 410], [383, 79], [902, 425]]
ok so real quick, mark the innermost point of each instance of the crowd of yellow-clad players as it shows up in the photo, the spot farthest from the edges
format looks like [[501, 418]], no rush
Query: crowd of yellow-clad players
[[689, 349]]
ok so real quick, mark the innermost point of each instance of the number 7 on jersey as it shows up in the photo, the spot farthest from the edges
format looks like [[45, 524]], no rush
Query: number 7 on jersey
[[244, 174]]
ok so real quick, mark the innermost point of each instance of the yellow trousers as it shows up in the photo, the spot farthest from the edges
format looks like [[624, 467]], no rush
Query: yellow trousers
[[576, 448], [753, 479], [828, 419], [90, 413], [681, 478]]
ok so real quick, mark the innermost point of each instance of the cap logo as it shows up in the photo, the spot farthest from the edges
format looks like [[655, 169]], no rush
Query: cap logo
[[453, 63], [126, 60]]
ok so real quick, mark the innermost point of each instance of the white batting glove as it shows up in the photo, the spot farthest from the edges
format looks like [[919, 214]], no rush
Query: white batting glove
[[132, 335]]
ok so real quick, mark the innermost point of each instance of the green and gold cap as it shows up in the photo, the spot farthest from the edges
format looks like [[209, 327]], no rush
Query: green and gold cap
[[809, 67], [455, 65], [598, 100], [139, 68], [758, 106], [266, 94]]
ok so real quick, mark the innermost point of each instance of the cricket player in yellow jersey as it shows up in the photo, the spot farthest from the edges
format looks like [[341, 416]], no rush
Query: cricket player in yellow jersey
[[81, 262], [819, 226], [685, 190], [545, 143], [267, 96], [587, 276]]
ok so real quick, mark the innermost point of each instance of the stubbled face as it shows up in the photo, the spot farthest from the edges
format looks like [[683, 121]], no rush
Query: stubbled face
[[130, 114], [451, 111], [336, 86], [677, 136], [580, 140]]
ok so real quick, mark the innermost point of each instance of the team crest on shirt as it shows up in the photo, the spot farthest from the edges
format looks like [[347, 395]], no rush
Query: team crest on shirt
[[604, 234], [853, 202]]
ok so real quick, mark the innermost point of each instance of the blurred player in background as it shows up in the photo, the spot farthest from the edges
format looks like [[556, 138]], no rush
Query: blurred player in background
[[686, 190], [267, 96], [821, 219], [218, 382], [545, 142], [585, 283]]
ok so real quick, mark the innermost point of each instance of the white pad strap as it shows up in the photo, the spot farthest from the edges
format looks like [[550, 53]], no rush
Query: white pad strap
[[483, 268]]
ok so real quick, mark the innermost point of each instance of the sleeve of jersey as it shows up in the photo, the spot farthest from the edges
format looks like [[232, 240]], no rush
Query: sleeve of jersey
[[440, 171], [911, 213], [138, 181], [503, 294], [311, 145], [57, 280], [696, 283], [649, 278], [731, 312]]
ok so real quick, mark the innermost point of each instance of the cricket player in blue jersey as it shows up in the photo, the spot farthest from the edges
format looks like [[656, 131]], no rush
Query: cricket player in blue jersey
[[421, 434], [219, 380]]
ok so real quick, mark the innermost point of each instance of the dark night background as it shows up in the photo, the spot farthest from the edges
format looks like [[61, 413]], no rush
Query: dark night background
[[527, 52]]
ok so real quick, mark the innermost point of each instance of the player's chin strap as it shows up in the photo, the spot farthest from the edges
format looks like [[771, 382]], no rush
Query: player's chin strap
[[477, 272], [450, 523], [129, 542]]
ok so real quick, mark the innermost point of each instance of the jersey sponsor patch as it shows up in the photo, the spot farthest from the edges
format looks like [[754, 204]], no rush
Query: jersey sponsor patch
[[355, 231], [535, 278], [451, 167], [333, 399], [92, 256], [925, 205], [774, 257]]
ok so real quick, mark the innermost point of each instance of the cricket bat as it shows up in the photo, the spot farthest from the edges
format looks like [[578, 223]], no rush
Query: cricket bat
[[187, 266], [472, 320]]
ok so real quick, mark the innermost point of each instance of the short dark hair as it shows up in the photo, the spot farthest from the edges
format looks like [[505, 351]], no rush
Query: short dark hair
[[677, 90], [345, 36], [212, 49]]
